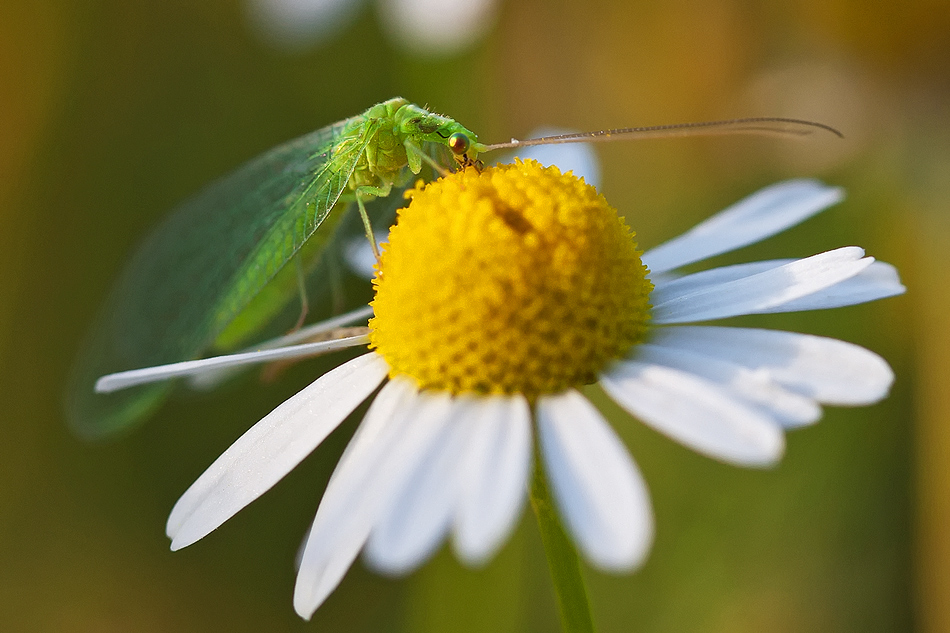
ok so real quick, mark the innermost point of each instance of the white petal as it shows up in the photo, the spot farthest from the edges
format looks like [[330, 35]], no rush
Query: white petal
[[579, 158], [596, 486], [210, 378], [682, 302], [437, 27], [877, 281], [671, 284], [696, 412], [326, 556], [761, 215], [272, 448], [828, 370], [381, 456], [418, 516], [307, 332], [125, 379], [754, 387], [493, 476]]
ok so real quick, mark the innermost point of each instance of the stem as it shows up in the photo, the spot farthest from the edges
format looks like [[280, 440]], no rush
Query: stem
[[562, 558]]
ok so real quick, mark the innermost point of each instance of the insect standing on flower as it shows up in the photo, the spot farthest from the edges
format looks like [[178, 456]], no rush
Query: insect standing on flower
[[215, 273]]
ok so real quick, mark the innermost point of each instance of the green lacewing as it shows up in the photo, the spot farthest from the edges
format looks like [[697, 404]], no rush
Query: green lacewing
[[215, 273]]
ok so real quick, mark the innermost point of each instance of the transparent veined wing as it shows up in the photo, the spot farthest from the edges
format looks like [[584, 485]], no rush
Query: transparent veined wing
[[204, 264]]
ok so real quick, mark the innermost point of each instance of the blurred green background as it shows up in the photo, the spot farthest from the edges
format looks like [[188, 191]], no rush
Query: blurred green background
[[113, 111]]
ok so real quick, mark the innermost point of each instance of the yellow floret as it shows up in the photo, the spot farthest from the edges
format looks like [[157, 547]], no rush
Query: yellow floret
[[515, 279]]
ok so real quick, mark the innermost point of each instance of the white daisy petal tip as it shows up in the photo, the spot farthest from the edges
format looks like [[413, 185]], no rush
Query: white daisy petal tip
[[178, 544], [305, 606], [626, 560], [869, 384], [770, 453]]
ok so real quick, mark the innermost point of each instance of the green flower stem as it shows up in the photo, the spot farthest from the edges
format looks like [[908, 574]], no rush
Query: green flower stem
[[562, 558]]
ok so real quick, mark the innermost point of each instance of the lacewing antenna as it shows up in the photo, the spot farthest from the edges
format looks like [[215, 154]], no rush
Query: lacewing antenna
[[767, 126]]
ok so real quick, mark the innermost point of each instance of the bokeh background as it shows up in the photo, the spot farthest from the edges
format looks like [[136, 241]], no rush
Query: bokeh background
[[113, 111]]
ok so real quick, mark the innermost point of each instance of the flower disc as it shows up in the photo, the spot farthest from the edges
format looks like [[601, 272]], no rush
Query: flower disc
[[515, 279]]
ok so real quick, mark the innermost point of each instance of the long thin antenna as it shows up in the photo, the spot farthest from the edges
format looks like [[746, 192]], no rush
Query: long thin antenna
[[776, 126]]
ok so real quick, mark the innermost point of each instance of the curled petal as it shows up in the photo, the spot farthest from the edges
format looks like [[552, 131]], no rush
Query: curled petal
[[756, 388], [696, 412], [683, 302], [826, 369]]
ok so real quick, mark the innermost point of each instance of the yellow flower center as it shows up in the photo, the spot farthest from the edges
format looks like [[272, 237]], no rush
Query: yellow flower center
[[516, 279]]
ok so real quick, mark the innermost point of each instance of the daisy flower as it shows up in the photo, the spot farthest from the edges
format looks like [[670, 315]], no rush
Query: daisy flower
[[499, 295]]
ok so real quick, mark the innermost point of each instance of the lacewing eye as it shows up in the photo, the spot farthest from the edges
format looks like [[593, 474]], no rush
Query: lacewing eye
[[459, 143]]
